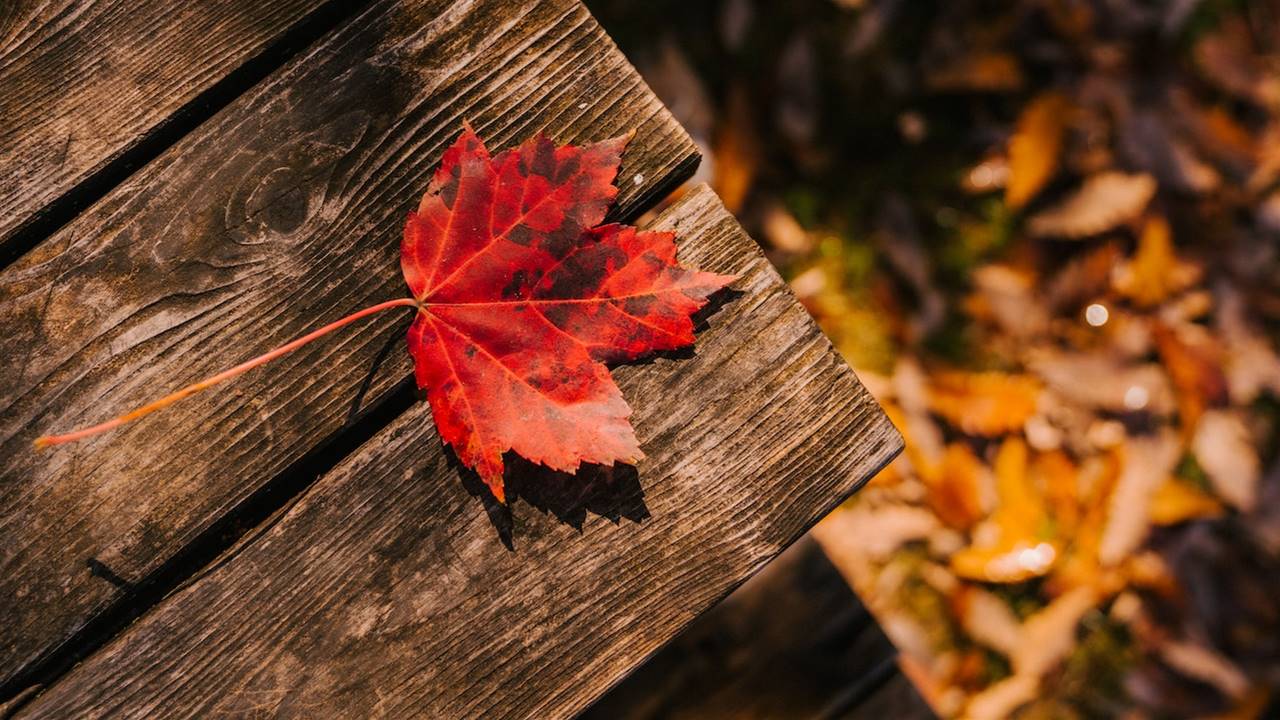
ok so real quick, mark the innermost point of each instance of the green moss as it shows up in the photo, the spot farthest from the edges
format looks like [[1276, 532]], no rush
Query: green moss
[[1190, 471]]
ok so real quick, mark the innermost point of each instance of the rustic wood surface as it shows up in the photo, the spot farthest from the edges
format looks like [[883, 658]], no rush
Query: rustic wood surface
[[83, 81], [792, 642], [387, 591], [281, 213]]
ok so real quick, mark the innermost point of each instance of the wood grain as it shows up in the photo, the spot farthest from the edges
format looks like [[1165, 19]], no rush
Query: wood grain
[[280, 214], [83, 81], [386, 591], [792, 642]]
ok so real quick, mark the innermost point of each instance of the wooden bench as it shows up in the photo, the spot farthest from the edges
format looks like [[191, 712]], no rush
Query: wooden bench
[[301, 544]]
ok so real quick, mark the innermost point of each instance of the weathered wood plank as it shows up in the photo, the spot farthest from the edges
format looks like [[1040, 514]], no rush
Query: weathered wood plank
[[385, 591], [281, 213], [84, 81], [793, 641], [897, 698]]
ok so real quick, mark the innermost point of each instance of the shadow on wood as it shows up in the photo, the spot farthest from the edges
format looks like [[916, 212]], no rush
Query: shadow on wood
[[613, 493]]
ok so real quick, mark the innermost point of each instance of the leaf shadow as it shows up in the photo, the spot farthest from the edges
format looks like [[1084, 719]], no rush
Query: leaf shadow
[[613, 493], [357, 403]]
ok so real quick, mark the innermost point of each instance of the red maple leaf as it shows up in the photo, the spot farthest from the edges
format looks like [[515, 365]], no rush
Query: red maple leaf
[[522, 299]]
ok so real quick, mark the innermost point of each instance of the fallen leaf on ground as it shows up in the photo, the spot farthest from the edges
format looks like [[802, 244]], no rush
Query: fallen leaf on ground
[[1048, 635], [1148, 462], [1226, 452], [1002, 698], [988, 620], [1016, 552], [984, 404], [1155, 272], [1192, 359], [1176, 501], [954, 492], [1105, 201], [1035, 147]]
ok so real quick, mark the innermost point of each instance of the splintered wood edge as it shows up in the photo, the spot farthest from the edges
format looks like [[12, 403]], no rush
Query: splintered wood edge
[[386, 585]]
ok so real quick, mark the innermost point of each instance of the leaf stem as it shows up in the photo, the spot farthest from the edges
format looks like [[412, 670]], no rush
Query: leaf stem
[[47, 440]]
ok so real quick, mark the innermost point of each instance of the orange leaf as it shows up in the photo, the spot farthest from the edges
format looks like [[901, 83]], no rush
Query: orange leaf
[[984, 404], [954, 487], [1035, 148], [1176, 501], [1155, 272]]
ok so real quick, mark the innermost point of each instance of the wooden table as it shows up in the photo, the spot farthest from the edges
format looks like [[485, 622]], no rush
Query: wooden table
[[190, 184]]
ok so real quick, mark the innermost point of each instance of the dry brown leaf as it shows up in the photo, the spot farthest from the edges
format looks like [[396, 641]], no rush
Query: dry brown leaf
[[1035, 147], [987, 619], [1226, 452], [1268, 160], [1252, 364], [1002, 698], [1049, 635], [1175, 501], [880, 531], [784, 232], [1105, 201], [984, 404], [1106, 382], [736, 152], [1229, 60], [1192, 359], [1083, 278], [1155, 272], [1006, 296], [1205, 665], [1149, 142], [1148, 463], [954, 487], [990, 71]]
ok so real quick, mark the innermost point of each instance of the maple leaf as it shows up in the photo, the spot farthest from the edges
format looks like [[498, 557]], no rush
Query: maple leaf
[[523, 299]]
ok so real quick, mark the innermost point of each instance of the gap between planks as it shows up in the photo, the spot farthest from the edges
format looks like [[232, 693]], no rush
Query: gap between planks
[[97, 174]]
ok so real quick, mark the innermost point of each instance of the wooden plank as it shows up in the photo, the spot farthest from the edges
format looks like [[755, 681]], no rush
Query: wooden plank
[[793, 641], [281, 213], [82, 82], [897, 698], [386, 591]]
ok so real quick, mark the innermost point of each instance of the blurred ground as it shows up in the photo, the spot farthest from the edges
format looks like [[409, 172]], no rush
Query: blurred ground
[[1045, 234], [791, 642]]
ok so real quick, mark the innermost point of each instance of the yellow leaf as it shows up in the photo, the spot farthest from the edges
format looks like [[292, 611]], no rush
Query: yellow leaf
[[1018, 554], [1058, 476], [954, 487], [1176, 501], [984, 404], [1035, 148], [1155, 272]]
